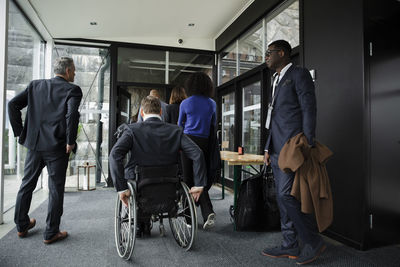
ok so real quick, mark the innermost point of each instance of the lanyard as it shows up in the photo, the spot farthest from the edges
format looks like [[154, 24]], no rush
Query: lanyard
[[276, 81], [271, 105]]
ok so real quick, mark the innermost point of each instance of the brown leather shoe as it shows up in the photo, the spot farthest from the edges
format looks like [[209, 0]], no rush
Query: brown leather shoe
[[57, 237], [32, 224]]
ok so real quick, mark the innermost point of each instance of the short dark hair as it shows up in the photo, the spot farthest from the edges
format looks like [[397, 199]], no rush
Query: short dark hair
[[151, 105], [283, 45], [199, 83], [178, 94]]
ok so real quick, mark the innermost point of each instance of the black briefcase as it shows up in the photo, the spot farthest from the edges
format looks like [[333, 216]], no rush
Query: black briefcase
[[257, 208], [271, 216]]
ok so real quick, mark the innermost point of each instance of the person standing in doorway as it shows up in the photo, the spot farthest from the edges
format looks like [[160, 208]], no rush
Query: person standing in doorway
[[197, 116], [49, 133], [178, 94], [292, 109]]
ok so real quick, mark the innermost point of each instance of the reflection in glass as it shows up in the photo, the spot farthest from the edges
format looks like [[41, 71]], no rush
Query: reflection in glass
[[250, 49], [141, 65], [92, 69], [181, 65], [285, 26], [251, 127], [227, 69], [228, 128], [25, 62], [124, 109]]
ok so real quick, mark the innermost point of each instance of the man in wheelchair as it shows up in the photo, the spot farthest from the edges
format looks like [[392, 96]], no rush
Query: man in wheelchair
[[154, 145]]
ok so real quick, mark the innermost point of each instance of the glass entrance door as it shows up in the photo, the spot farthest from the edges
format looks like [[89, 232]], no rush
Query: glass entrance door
[[228, 128], [251, 118]]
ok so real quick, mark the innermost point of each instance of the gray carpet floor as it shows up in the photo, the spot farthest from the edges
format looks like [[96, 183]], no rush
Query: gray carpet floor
[[88, 218]]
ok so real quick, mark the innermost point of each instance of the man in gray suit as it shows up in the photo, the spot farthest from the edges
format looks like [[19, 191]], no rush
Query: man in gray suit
[[292, 110], [154, 143], [49, 132]]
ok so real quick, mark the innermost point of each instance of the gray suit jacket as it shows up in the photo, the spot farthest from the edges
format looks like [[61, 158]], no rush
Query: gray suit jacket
[[154, 143], [294, 110], [52, 115]]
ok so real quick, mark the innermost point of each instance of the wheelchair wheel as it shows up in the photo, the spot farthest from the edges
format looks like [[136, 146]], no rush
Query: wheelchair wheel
[[184, 224], [125, 225]]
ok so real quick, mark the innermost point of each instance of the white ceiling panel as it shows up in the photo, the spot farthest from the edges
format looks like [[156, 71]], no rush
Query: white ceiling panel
[[158, 22]]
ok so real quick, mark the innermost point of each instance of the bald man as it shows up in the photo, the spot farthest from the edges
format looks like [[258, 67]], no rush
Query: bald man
[[164, 114]]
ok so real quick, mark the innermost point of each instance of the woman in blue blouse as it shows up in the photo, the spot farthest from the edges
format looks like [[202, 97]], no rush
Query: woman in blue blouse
[[196, 115]]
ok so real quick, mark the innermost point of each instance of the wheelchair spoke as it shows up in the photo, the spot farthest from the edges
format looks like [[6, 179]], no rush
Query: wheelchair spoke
[[182, 212], [183, 228], [176, 232], [125, 226]]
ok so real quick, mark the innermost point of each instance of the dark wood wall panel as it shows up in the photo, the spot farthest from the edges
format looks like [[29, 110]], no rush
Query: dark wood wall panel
[[333, 46]]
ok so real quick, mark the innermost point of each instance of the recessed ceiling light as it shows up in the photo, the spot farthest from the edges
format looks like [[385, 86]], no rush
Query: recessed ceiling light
[[93, 23], [191, 24]]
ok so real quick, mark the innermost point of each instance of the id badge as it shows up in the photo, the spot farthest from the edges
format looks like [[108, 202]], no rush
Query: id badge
[[269, 114]]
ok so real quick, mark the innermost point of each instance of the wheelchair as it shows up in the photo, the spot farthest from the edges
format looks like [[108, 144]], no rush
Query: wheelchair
[[157, 191]]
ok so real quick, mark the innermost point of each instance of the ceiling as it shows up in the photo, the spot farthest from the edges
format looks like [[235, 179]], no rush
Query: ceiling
[[156, 22]]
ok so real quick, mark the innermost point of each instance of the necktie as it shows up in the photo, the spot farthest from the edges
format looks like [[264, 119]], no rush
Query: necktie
[[275, 83]]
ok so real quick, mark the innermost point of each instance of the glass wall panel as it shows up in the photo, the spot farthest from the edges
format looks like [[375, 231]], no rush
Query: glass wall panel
[[93, 76], [227, 68], [228, 128], [250, 49], [141, 65], [285, 25], [25, 62], [181, 65], [251, 127]]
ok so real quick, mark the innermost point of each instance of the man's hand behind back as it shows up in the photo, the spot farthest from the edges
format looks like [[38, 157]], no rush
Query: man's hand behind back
[[70, 148]]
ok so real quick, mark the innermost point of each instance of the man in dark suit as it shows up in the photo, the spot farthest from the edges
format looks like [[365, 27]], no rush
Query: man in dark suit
[[154, 143], [49, 132], [292, 109], [164, 114]]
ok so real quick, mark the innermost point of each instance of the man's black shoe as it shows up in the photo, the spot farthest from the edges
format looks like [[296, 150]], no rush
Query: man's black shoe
[[281, 252], [310, 254]]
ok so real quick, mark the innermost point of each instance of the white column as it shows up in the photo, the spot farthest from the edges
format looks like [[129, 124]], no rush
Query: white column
[[36, 60], [219, 70], [264, 40], [20, 164], [11, 148], [166, 67], [3, 81], [48, 59], [237, 58], [47, 75]]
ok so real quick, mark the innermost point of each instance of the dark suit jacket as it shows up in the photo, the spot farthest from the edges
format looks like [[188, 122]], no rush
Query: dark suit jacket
[[154, 143], [52, 115], [294, 109], [172, 113]]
